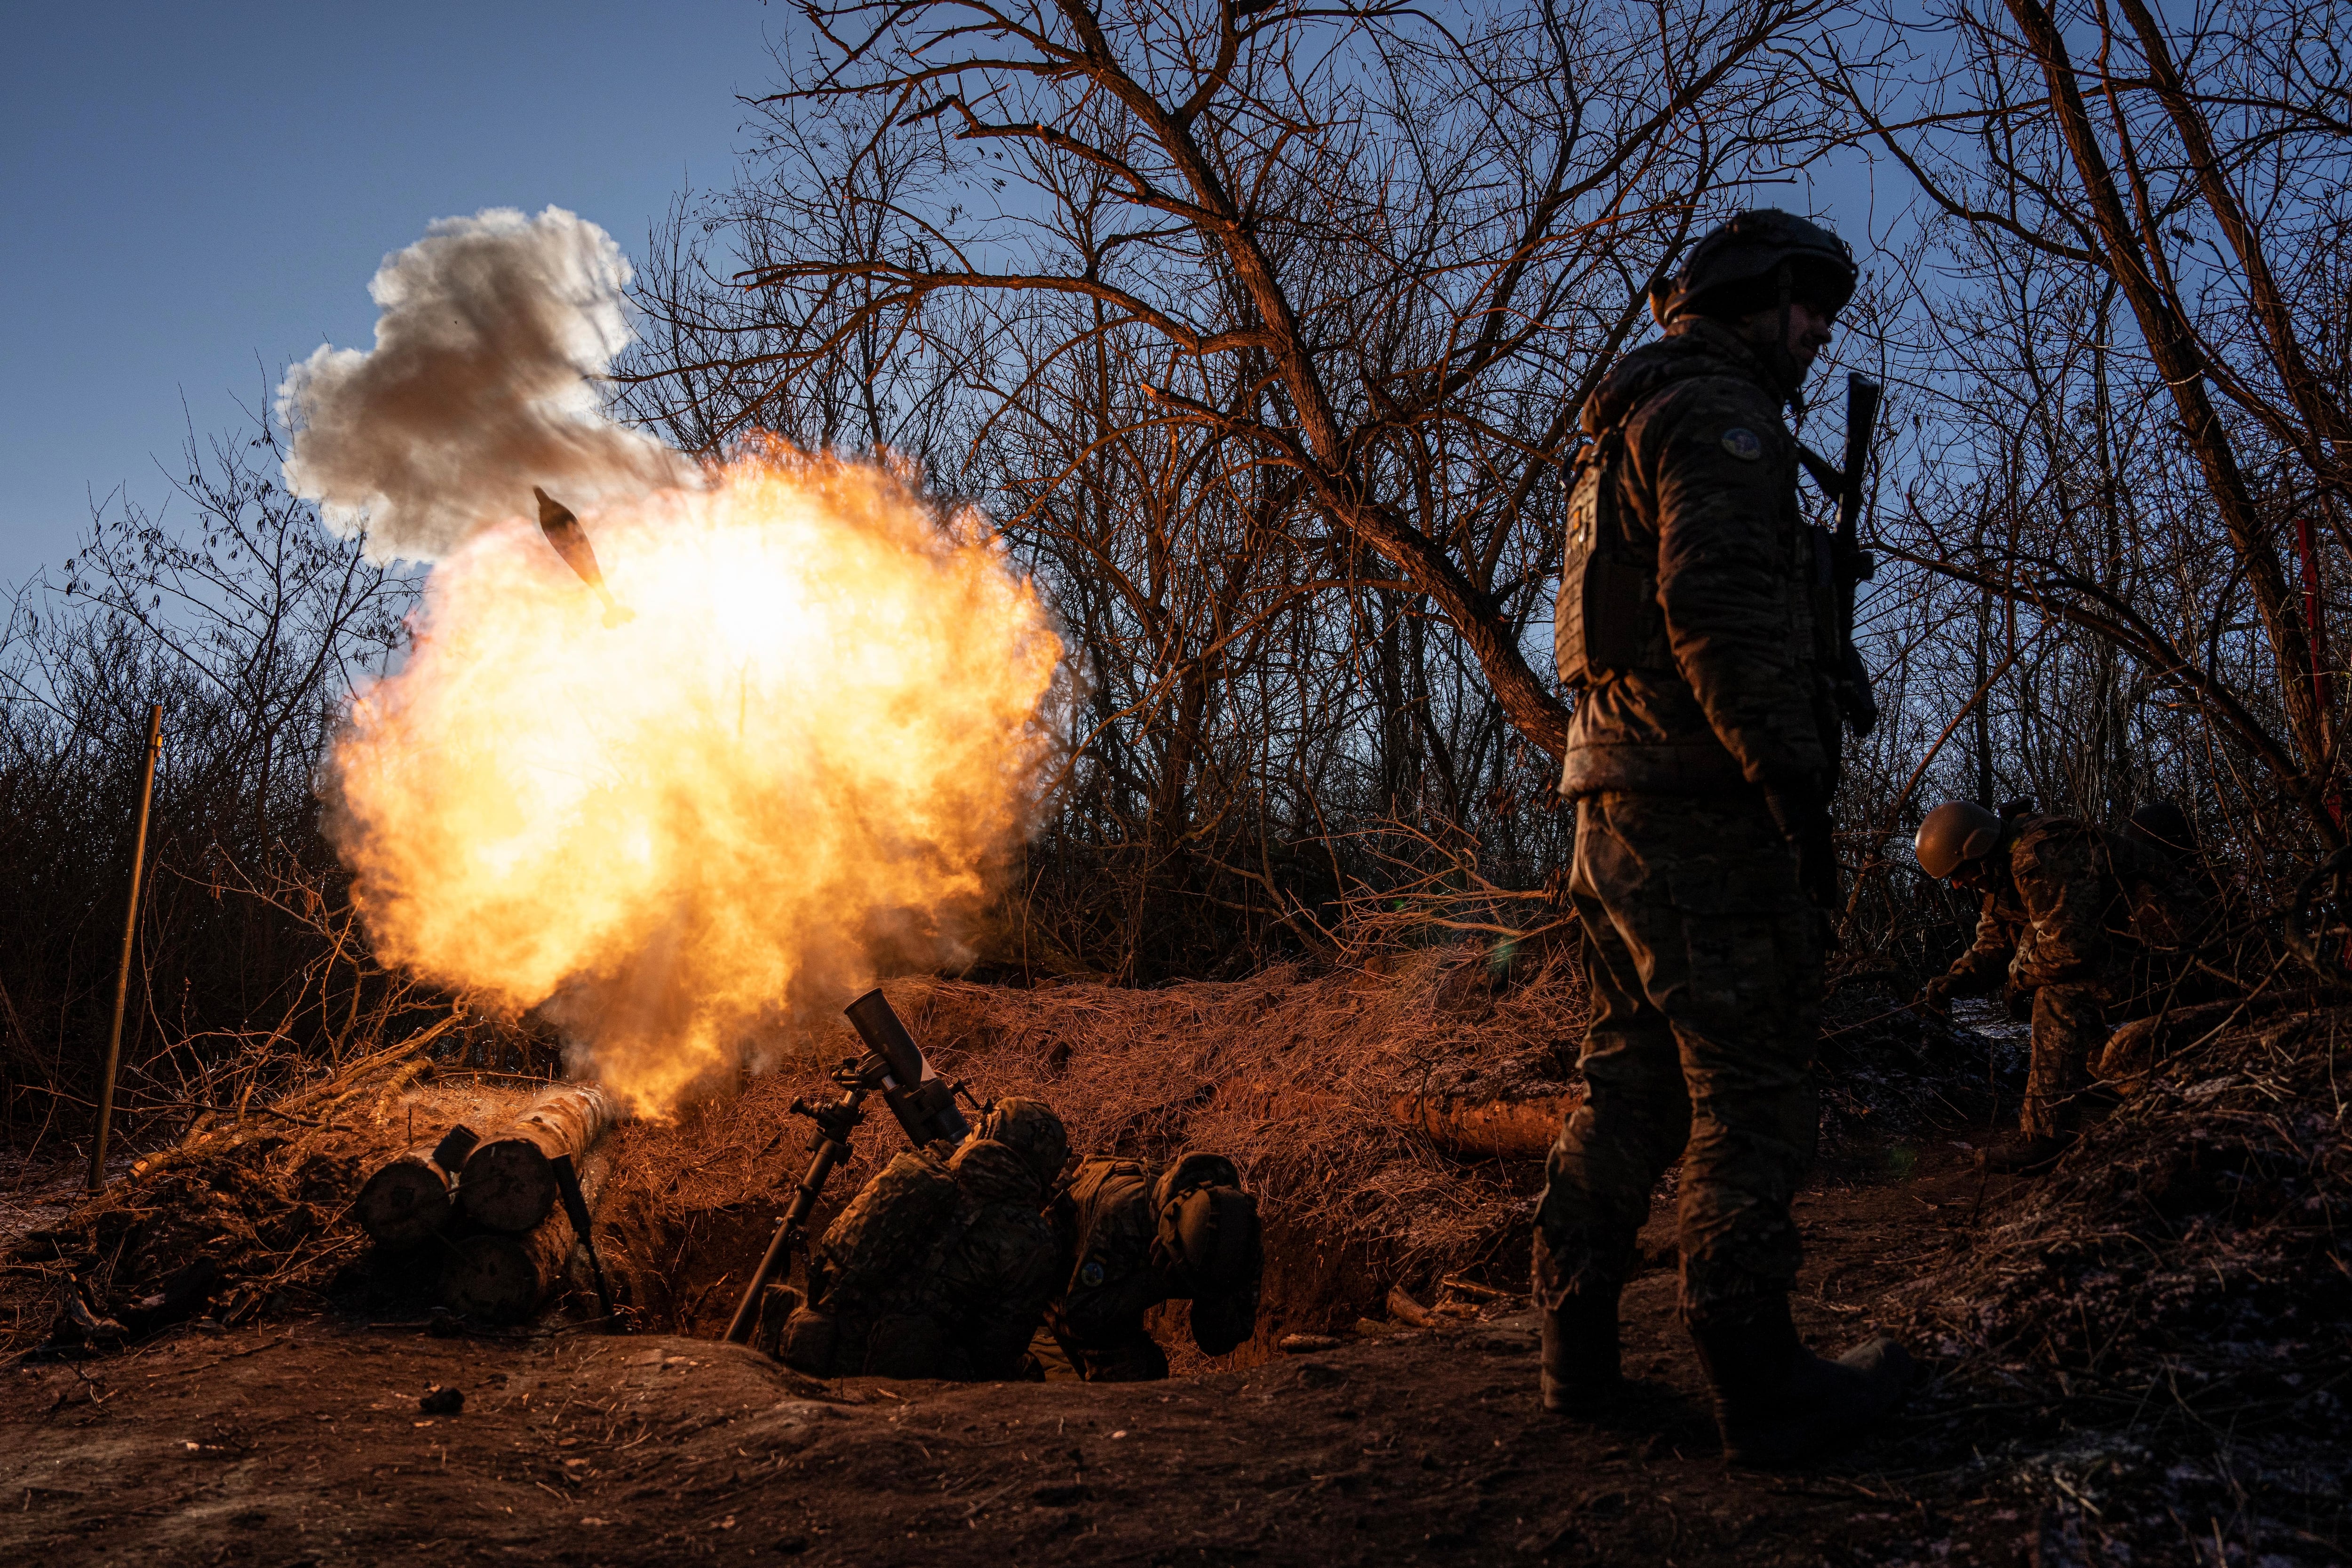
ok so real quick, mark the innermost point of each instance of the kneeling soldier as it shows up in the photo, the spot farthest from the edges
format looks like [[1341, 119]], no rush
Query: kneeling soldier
[[940, 1268], [2081, 920], [1137, 1236]]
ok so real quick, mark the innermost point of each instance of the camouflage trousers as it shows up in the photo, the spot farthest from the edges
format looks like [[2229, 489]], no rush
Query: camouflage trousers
[[2069, 1027], [1705, 961]]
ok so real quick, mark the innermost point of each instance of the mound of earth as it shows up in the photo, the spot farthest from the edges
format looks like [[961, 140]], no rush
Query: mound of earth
[[2140, 1357]]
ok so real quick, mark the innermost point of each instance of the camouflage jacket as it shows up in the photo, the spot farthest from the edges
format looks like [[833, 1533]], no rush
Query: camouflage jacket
[[980, 1262], [2079, 906], [1109, 1220], [1707, 481]]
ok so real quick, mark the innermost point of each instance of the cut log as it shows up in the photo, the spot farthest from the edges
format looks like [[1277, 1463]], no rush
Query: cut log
[[1405, 1310], [510, 1181], [1506, 1129], [492, 1276], [411, 1198], [2140, 1047], [1477, 1126]]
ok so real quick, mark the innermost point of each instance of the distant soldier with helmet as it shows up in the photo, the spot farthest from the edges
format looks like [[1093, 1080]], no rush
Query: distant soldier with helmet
[[1137, 1235], [2089, 924], [1695, 624]]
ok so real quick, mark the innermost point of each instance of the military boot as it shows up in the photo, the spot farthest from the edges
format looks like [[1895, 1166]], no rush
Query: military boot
[[1581, 1375], [1777, 1402]]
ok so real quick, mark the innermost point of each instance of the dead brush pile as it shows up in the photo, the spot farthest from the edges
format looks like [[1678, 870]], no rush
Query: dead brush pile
[[1886, 1073], [246, 1213], [2187, 1265]]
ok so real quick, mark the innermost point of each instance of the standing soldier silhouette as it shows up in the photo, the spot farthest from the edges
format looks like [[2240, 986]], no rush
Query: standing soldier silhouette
[[1697, 625]]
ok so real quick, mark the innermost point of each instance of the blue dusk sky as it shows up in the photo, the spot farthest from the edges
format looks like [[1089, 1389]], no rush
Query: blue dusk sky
[[192, 195]]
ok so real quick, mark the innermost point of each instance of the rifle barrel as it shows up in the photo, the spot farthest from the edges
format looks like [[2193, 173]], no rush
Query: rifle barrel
[[1862, 399]]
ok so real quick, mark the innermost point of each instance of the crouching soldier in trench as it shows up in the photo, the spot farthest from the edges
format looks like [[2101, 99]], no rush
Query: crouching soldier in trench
[[1135, 1236], [940, 1268], [1701, 754], [2092, 926]]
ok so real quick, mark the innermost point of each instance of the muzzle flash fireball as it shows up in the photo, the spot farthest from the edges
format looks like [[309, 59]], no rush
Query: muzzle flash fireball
[[792, 771]]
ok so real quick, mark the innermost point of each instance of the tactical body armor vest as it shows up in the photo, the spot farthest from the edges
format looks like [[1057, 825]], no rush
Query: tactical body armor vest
[[1606, 619]]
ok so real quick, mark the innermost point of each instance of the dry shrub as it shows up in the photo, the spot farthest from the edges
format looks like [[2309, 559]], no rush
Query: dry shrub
[[255, 1199], [2187, 1261], [1888, 1076]]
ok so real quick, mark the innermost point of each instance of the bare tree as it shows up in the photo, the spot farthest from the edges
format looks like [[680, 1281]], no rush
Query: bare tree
[[1386, 257], [2134, 353], [252, 624]]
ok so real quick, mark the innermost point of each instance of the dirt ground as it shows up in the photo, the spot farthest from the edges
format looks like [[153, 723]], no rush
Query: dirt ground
[[303, 1442]]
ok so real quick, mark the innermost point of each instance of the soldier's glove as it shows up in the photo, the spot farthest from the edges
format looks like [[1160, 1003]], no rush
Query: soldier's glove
[[1803, 819]]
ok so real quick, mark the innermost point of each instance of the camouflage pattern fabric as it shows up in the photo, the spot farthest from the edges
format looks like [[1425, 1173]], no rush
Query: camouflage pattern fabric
[[977, 1275], [991, 1272], [1116, 1267], [1705, 961], [872, 1245], [1031, 1130], [2070, 1025], [1703, 951], [2096, 928], [1708, 481], [1108, 1221]]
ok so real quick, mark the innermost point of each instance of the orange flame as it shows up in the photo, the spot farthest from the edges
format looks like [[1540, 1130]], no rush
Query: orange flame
[[787, 773]]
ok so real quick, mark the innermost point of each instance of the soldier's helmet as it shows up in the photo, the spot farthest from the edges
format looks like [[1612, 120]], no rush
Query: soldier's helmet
[[1031, 1130], [1210, 1233], [1953, 834], [1738, 269]]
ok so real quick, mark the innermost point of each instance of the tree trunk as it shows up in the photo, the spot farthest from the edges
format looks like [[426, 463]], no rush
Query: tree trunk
[[2130, 257], [492, 1276], [509, 1181]]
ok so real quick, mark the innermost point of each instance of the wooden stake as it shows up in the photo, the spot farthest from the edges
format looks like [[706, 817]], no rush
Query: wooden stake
[[129, 945]]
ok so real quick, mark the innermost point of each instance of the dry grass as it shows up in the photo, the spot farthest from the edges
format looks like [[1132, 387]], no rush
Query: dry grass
[[2185, 1261], [259, 1192], [1292, 1076]]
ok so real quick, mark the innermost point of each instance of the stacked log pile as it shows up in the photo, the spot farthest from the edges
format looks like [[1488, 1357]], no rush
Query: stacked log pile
[[491, 1212], [408, 1201], [504, 1276]]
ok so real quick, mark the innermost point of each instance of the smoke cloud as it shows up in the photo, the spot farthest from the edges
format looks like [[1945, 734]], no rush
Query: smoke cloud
[[480, 386]]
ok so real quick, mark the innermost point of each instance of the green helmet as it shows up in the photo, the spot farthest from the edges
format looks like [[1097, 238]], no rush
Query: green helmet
[[1743, 267], [1953, 834], [1031, 1130]]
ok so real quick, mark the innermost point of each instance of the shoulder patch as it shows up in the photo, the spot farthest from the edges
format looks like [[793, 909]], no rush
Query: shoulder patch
[[1742, 443]]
